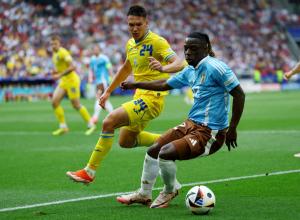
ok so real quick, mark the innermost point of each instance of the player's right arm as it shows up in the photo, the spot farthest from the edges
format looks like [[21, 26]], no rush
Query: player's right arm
[[120, 76], [292, 72]]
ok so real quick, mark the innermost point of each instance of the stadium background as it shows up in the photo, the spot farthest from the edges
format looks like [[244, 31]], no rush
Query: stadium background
[[258, 180], [258, 39]]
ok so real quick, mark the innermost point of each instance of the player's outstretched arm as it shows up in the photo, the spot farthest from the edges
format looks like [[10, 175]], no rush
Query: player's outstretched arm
[[120, 76], [237, 110], [158, 85], [292, 72]]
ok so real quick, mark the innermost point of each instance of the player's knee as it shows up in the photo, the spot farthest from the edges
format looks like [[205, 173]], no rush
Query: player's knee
[[76, 105], [54, 103], [108, 124], [125, 144], [168, 152], [153, 151]]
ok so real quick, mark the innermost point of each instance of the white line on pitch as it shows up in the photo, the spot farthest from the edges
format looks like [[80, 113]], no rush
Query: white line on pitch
[[120, 193]]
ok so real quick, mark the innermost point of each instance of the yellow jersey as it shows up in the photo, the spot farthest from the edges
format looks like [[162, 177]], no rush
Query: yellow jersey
[[61, 60], [138, 53]]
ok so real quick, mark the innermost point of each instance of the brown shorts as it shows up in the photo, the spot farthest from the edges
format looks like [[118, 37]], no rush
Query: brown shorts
[[192, 140]]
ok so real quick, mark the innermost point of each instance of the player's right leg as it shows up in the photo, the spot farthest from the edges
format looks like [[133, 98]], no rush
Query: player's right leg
[[114, 120], [151, 171], [59, 111]]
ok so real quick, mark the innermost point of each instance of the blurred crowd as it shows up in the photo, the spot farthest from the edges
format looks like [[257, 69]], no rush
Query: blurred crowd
[[243, 33]]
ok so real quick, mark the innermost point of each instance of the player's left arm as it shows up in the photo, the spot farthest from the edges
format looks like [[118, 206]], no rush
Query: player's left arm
[[237, 109], [70, 68], [67, 58], [165, 52], [174, 65]]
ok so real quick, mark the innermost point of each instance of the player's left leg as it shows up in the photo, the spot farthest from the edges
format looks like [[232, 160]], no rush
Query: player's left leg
[[112, 121], [168, 169], [200, 141], [140, 111], [59, 111], [73, 91], [91, 127]]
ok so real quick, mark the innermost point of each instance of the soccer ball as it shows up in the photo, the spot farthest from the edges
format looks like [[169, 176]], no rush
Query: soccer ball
[[200, 200]]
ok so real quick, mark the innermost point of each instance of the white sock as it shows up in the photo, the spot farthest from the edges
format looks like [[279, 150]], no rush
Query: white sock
[[90, 171], [168, 174], [108, 106], [177, 184], [63, 125], [97, 109], [150, 172]]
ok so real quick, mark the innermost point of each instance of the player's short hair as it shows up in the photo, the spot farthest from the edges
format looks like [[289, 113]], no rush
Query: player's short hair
[[204, 38], [55, 37], [137, 10]]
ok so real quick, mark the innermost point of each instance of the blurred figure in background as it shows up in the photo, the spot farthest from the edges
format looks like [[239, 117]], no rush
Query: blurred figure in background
[[100, 71], [69, 83], [287, 76]]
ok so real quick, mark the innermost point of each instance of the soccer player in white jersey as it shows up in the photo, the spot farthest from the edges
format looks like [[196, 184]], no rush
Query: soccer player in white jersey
[[206, 128], [287, 76], [100, 70]]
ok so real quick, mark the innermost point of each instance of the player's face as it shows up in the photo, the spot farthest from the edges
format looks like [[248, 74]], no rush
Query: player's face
[[96, 51], [194, 51], [137, 26], [55, 44]]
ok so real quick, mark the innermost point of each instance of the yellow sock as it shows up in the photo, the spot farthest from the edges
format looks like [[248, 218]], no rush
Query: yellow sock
[[84, 114], [60, 115], [103, 146], [145, 138]]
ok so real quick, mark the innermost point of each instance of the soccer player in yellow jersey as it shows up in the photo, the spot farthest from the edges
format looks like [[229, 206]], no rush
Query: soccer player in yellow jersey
[[149, 57], [69, 83]]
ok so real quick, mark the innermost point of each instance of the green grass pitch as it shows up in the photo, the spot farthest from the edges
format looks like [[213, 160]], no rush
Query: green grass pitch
[[33, 165]]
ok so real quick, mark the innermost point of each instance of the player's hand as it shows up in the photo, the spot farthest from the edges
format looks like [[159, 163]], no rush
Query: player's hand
[[154, 64], [231, 137], [127, 85], [287, 75], [103, 98], [55, 75]]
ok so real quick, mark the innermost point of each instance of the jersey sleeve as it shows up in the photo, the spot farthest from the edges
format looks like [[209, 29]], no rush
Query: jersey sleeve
[[164, 50], [126, 49], [226, 78], [66, 56], [179, 80]]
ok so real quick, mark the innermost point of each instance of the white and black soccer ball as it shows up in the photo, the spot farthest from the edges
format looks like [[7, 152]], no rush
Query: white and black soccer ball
[[200, 200]]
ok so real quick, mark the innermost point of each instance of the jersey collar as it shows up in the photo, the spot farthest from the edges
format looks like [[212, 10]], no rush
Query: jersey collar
[[147, 33], [201, 61]]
